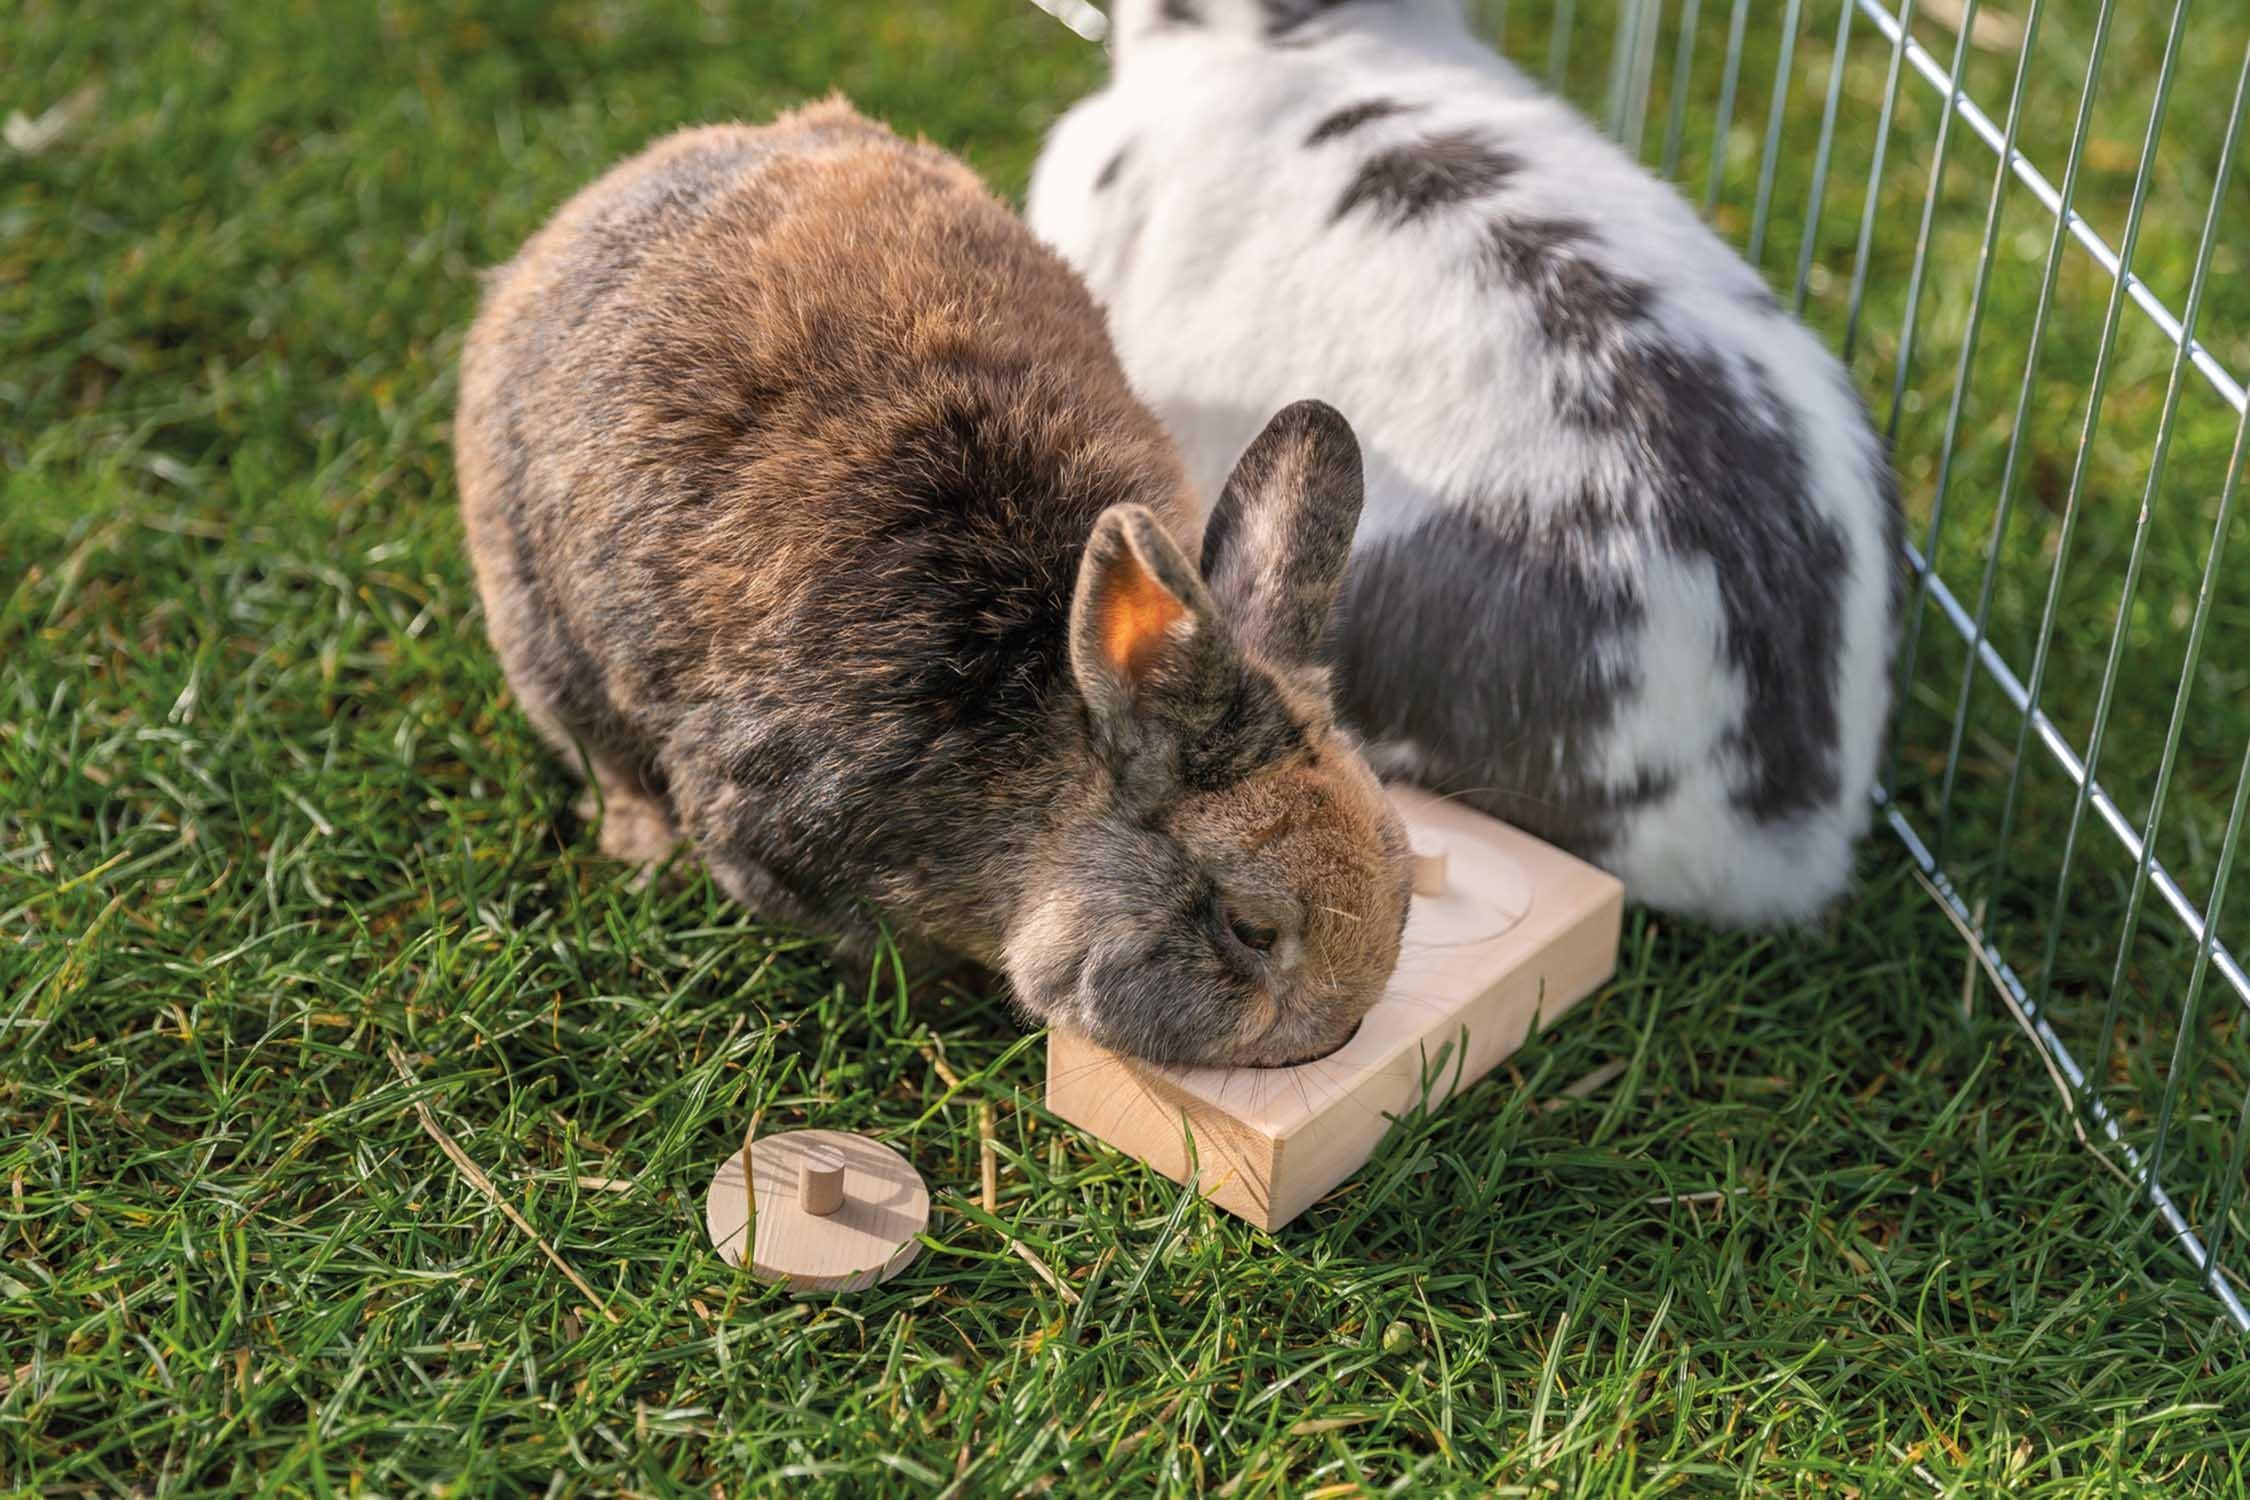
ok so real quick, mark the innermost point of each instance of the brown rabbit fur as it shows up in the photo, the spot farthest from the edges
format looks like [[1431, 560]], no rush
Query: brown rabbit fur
[[815, 522]]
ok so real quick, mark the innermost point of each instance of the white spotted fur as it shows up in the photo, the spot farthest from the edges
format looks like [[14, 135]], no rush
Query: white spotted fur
[[1230, 292]]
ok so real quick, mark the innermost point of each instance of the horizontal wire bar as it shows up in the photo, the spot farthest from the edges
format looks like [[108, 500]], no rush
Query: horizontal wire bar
[[2066, 1066], [1079, 16], [2066, 757], [1980, 124]]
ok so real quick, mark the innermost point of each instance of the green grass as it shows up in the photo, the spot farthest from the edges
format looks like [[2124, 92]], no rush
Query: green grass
[[267, 814]]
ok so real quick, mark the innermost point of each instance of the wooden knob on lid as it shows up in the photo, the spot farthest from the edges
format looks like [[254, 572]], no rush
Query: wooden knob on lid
[[1429, 873], [822, 1210], [820, 1183]]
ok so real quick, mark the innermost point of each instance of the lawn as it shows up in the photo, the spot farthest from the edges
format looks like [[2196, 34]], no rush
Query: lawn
[[282, 867]]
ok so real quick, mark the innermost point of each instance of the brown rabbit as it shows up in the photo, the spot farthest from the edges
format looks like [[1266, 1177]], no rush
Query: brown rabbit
[[815, 523]]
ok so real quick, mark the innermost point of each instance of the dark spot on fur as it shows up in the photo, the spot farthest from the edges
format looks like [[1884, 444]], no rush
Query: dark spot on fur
[[1285, 16], [1218, 534], [1348, 119], [987, 645], [1579, 303], [1402, 183], [1760, 298], [1111, 168], [1180, 13], [1739, 495], [1496, 651], [1469, 633], [1731, 485]]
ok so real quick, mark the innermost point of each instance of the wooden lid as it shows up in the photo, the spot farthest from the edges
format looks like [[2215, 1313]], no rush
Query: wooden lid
[[865, 1238]]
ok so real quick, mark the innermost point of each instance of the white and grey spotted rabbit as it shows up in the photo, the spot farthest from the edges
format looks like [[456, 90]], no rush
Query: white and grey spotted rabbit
[[1625, 574]]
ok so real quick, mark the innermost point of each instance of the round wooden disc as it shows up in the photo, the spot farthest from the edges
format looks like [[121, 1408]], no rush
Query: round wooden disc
[[870, 1239], [1486, 893]]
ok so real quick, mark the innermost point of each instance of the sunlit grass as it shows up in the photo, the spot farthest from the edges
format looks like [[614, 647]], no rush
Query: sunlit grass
[[266, 812]]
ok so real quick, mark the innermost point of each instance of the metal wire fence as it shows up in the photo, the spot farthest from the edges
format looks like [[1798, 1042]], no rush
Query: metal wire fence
[[2056, 805], [2013, 223]]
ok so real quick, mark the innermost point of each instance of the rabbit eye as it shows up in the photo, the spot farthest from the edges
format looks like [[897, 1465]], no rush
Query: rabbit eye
[[1250, 935]]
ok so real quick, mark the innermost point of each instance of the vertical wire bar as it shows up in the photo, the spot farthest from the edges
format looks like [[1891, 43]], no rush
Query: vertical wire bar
[[1643, 75], [2211, 562], [2003, 509], [1867, 211], [2067, 530], [1770, 156], [1909, 322], [1620, 60], [1558, 44], [1813, 202], [2182, 1043], [1727, 81], [1683, 70]]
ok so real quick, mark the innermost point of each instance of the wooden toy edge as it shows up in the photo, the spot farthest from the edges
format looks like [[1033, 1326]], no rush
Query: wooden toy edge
[[1194, 1147]]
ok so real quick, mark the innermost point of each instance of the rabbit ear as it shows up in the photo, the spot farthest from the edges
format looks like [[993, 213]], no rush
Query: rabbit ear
[[1277, 543], [1146, 644]]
